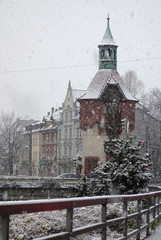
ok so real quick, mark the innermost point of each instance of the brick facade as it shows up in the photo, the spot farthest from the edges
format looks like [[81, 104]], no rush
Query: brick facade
[[48, 151], [93, 112]]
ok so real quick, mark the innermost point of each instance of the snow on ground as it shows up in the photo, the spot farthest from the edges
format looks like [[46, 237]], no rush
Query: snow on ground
[[35, 225], [156, 235], [29, 226]]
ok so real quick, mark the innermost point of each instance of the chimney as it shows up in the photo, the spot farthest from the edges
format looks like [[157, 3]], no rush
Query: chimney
[[52, 110]]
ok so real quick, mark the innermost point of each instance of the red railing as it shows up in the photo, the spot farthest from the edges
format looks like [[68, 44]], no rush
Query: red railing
[[151, 210]]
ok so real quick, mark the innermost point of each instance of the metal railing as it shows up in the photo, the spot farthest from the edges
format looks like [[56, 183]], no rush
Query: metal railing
[[148, 204]]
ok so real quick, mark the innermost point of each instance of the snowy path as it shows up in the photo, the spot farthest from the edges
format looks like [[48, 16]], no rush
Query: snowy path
[[156, 235]]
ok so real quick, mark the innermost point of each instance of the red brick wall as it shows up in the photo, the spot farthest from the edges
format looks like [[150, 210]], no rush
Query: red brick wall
[[92, 112], [48, 145], [128, 111]]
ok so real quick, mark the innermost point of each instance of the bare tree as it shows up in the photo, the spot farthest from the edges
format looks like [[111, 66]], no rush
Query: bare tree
[[10, 141], [152, 101], [133, 84]]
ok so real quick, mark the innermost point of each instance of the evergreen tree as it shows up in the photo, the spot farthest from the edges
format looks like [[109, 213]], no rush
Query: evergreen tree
[[126, 172], [128, 168]]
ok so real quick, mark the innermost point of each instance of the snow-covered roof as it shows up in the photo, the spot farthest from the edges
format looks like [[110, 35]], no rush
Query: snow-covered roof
[[53, 116], [50, 127], [57, 115], [102, 79], [77, 93]]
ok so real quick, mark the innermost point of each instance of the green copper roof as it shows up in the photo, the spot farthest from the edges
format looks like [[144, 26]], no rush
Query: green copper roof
[[108, 38]]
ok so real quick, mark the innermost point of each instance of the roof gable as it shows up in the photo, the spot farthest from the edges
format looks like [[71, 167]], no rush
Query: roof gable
[[103, 79]]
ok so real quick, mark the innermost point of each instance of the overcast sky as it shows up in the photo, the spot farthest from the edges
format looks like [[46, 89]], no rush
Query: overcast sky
[[46, 43]]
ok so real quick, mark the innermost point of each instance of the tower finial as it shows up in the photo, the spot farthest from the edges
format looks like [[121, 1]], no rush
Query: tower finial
[[69, 84], [108, 19]]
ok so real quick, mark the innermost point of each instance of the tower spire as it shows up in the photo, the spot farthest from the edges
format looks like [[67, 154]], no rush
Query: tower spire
[[108, 50], [108, 38]]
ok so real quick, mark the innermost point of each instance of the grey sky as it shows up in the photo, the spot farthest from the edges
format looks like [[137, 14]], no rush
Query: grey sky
[[39, 36]]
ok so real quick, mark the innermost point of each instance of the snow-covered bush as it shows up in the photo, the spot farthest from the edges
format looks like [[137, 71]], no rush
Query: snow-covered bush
[[83, 187], [126, 172]]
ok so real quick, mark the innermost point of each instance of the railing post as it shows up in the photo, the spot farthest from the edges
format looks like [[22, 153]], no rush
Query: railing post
[[148, 217], [69, 220], [104, 212], [125, 216], [139, 219], [4, 227], [154, 204], [158, 202]]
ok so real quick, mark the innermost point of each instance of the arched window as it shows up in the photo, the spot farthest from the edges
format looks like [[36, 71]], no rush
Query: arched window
[[109, 52], [102, 53]]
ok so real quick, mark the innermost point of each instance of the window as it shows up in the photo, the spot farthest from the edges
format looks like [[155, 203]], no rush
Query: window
[[65, 151], [77, 150], [79, 133], [70, 115], [70, 151], [102, 53], [66, 132], [90, 164], [66, 116], [76, 112], [59, 152], [34, 156], [49, 156], [34, 140], [109, 52], [55, 137], [44, 139], [50, 137], [54, 149], [59, 134], [47, 138], [70, 132]]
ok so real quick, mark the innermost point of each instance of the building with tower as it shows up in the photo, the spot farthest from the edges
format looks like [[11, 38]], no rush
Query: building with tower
[[72, 138], [105, 107]]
